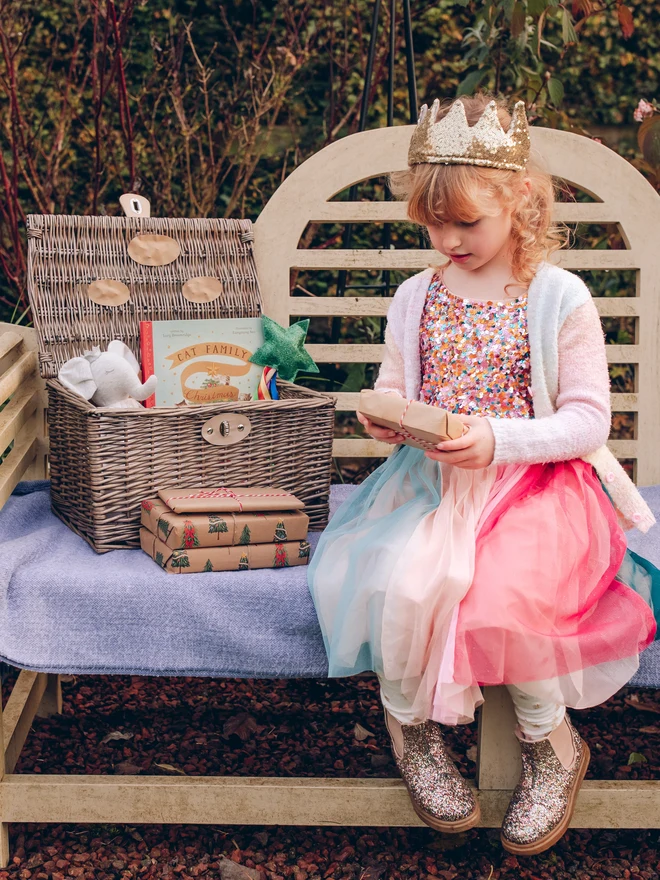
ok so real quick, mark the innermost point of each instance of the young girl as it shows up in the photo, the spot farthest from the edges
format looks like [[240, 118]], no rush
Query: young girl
[[518, 573]]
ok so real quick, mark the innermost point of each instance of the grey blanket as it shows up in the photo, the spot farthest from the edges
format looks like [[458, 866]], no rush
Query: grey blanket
[[63, 608]]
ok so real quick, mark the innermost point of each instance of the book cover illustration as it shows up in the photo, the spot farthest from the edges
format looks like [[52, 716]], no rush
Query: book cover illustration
[[201, 361]]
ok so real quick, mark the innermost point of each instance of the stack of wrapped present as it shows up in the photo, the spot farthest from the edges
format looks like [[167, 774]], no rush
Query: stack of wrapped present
[[194, 530]]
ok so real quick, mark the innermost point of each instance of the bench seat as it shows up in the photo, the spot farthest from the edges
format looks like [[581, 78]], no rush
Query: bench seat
[[63, 608]]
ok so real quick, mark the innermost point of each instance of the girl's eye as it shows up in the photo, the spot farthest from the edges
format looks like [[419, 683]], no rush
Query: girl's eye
[[469, 225]]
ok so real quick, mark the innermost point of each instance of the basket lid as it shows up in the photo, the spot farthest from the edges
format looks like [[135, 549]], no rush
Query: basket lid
[[66, 254]]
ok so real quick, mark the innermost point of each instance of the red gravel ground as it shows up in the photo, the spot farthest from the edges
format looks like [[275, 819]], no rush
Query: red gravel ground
[[130, 725]]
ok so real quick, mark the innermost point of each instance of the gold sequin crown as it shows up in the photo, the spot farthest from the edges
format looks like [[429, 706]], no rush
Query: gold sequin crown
[[451, 141]]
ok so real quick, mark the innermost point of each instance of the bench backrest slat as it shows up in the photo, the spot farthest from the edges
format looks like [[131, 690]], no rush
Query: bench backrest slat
[[622, 196]]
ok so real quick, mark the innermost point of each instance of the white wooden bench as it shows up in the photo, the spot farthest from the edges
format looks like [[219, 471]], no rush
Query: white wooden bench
[[622, 197]]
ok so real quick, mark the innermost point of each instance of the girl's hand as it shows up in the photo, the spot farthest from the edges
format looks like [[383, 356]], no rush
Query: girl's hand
[[383, 434], [471, 451]]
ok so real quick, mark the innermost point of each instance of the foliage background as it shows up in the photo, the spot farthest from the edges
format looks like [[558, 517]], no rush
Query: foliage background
[[205, 107]]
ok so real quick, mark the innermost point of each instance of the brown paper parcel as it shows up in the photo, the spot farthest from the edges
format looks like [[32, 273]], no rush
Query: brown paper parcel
[[430, 424], [239, 558], [180, 531], [229, 500]]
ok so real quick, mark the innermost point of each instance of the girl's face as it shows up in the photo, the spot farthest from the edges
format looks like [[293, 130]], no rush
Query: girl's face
[[472, 245]]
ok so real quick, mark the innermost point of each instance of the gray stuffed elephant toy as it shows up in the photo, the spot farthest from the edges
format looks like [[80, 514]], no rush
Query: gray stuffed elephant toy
[[107, 378]]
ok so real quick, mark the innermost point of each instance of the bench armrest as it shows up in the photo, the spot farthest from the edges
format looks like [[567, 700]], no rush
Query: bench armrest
[[22, 410]]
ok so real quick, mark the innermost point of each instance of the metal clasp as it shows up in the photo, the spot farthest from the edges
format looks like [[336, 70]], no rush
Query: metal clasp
[[226, 430]]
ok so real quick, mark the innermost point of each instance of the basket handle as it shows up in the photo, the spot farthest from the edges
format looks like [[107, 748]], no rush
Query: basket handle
[[135, 205]]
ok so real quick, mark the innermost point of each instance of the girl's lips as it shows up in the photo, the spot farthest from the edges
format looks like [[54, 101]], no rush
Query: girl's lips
[[459, 258]]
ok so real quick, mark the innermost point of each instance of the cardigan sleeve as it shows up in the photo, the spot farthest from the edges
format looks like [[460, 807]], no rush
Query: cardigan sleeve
[[392, 373], [581, 423], [391, 376]]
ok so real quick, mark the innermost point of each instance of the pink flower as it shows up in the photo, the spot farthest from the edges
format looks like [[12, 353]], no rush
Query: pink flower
[[643, 110]]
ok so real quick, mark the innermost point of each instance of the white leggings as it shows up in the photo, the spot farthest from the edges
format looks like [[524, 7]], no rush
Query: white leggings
[[536, 719]]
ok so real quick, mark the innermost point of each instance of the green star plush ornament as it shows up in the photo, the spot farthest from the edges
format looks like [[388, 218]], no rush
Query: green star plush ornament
[[284, 349]]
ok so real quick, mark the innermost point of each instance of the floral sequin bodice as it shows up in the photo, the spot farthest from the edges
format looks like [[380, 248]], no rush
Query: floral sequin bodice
[[475, 355]]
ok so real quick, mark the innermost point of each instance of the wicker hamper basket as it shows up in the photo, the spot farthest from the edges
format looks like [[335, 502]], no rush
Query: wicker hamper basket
[[103, 462]]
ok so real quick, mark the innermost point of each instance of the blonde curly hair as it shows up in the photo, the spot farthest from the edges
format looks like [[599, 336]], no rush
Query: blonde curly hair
[[462, 193]]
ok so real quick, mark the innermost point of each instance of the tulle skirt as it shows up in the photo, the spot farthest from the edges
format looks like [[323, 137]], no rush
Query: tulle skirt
[[516, 574]]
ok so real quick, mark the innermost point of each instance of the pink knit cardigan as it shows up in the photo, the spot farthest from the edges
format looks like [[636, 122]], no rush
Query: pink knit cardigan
[[570, 381]]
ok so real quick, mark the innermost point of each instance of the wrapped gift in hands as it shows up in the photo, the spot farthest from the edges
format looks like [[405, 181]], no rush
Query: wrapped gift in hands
[[420, 425]]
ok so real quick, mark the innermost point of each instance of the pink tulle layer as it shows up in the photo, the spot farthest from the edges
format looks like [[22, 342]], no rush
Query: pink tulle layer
[[512, 574], [544, 602]]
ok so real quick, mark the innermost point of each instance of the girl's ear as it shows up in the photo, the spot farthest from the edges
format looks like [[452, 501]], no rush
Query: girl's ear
[[524, 194]]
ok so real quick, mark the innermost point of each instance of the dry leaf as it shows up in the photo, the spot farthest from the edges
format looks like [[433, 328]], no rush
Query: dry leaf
[[374, 871], [125, 768], [625, 21], [361, 733], [651, 729], [230, 870], [241, 725], [378, 761], [647, 706], [170, 768], [116, 734], [581, 8]]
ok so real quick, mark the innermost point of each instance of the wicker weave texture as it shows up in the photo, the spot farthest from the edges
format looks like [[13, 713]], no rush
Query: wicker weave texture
[[67, 253], [105, 462]]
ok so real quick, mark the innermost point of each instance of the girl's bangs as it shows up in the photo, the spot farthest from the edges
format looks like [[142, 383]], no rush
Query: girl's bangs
[[458, 193]]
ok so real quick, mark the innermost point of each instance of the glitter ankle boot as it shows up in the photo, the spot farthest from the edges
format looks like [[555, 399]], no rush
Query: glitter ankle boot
[[440, 796], [543, 801]]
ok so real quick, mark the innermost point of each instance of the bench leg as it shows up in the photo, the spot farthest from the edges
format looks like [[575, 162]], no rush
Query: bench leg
[[4, 827], [498, 767], [4, 844], [51, 702]]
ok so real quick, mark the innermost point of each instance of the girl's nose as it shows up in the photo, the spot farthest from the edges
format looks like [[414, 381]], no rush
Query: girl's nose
[[451, 240]]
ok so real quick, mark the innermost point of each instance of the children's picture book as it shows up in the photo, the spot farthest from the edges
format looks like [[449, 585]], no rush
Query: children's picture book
[[201, 361]]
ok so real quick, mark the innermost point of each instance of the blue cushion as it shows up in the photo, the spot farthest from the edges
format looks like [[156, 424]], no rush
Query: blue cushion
[[63, 608]]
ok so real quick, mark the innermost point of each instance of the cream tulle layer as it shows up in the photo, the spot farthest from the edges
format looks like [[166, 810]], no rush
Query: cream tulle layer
[[509, 578]]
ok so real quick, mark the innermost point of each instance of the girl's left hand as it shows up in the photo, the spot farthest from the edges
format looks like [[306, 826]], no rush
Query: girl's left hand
[[473, 450]]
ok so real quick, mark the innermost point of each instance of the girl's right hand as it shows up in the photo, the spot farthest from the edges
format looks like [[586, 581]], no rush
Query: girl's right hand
[[385, 435]]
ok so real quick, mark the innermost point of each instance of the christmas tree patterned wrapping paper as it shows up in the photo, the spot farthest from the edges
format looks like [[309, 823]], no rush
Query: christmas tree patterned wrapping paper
[[193, 530], [240, 557]]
